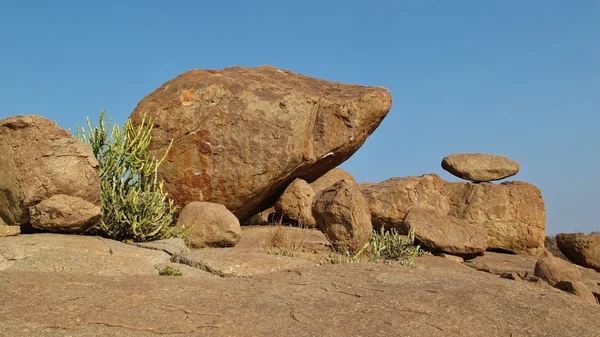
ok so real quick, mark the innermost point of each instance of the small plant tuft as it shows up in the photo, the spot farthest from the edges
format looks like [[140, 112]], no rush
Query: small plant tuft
[[384, 245], [170, 271]]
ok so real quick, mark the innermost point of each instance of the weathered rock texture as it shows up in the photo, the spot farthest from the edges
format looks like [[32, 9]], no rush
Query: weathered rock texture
[[64, 213], [439, 298], [513, 213], [583, 249], [295, 204], [444, 233], [480, 166], [8, 230], [579, 289], [330, 178], [554, 270], [342, 213], [243, 134], [390, 200], [214, 225], [39, 160]]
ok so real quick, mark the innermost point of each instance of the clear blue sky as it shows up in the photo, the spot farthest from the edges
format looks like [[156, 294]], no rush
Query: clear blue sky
[[517, 78]]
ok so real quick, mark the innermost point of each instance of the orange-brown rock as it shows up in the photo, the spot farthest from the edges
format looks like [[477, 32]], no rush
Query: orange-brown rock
[[212, 225], [444, 233], [241, 135], [513, 213], [39, 160], [554, 270], [583, 249], [295, 204], [342, 213], [480, 166], [390, 200]]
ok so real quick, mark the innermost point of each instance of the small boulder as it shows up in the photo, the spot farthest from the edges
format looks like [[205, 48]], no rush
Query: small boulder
[[330, 178], [390, 200], [582, 249], [39, 160], [444, 233], [513, 213], [64, 214], [577, 288], [480, 167], [214, 225], [295, 204], [554, 270], [342, 213]]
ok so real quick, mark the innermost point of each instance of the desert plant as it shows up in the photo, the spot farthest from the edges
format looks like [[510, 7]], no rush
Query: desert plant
[[170, 271], [134, 204], [384, 245]]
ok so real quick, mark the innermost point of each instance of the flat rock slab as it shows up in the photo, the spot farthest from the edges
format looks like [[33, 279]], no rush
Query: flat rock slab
[[256, 238], [231, 263], [437, 298], [480, 166], [498, 263], [524, 266], [77, 254]]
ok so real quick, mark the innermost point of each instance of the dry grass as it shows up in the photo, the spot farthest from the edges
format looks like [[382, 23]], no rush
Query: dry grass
[[285, 240]]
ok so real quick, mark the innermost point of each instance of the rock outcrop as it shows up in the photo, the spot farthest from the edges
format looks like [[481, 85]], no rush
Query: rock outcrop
[[583, 249], [213, 225], [444, 233], [513, 213], [480, 167], [342, 213], [241, 135], [390, 200], [39, 161], [295, 204]]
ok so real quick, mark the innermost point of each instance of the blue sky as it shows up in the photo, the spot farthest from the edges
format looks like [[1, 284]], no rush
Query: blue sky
[[516, 78]]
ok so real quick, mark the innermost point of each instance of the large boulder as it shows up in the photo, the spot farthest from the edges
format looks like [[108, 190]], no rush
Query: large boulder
[[444, 233], [342, 213], [38, 161], [583, 249], [513, 213], [480, 166], [241, 135], [390, 200], [212, 225], [295, 204]]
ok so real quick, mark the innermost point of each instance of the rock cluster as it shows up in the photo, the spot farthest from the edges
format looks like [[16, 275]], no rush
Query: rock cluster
[[242, 135], [49, 179], [256, 145]]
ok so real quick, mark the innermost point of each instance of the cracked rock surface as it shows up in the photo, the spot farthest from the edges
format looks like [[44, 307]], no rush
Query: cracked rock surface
[[435, 298]]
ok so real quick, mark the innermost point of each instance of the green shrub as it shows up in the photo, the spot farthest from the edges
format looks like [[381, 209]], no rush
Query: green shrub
[[170, 271], [134, 204]]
